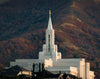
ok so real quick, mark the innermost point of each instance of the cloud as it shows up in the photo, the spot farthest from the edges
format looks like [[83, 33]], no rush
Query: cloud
[[3, 1]]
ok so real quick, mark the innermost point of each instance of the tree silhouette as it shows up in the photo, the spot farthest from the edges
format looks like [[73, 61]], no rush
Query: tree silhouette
[[33, 76]]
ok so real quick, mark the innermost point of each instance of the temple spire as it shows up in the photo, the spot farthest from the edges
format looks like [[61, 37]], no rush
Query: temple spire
[[50, 22]]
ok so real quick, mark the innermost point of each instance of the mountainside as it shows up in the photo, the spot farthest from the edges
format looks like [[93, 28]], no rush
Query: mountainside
[[76, 24]]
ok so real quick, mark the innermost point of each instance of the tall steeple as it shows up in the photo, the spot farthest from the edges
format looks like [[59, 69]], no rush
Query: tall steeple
[[50, 49], [50, 22], [50, 32]]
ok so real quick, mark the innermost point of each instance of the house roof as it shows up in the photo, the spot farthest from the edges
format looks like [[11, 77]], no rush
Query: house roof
[[13, 71]]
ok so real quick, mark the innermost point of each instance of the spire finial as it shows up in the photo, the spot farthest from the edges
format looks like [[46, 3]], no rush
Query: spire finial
[[50, 22], [49, 13]]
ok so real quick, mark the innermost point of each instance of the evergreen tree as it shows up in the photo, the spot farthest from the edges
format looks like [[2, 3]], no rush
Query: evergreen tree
[[39, 67], [43, 71], [33, 77]]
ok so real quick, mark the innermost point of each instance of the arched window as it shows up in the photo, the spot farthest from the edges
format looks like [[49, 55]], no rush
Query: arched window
[[48, 43]]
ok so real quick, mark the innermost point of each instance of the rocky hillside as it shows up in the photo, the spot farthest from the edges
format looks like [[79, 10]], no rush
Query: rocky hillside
[[76, 23]]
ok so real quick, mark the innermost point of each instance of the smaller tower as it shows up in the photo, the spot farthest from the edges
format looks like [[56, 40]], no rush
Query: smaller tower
[[50, 49]]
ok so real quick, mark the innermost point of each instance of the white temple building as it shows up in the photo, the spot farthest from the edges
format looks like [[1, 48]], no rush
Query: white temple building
[[53, 61]]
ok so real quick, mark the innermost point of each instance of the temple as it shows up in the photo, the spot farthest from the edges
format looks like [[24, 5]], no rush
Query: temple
[[53, 61]]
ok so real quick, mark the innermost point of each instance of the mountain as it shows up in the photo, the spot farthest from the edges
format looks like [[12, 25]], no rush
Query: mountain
[[76, 23]]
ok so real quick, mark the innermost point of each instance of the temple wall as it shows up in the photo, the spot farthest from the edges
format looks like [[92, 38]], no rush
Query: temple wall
[[91, 75], [48, 63], [87, 69], [27, 63], [82, 70], [68, 62]]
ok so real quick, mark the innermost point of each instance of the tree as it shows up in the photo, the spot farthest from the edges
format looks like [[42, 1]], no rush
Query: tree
[[33, 75]]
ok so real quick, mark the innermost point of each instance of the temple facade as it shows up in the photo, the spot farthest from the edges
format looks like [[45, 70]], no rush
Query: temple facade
[[53, 61]]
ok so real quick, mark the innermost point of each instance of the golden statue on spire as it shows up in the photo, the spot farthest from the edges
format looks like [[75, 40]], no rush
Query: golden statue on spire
[[49, 13]]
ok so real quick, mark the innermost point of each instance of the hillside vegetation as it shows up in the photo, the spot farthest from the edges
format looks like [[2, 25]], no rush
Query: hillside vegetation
[[76, 23]]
